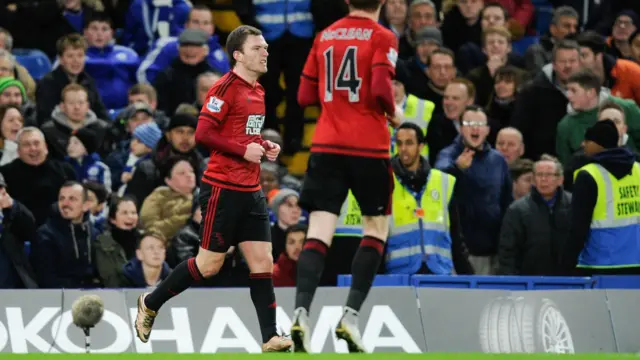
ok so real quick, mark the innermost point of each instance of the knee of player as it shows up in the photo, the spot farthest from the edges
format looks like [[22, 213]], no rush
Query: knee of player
[[209, 264], [262, 263]]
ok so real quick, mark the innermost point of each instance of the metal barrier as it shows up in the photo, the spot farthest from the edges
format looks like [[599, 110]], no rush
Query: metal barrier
[[512, 283]]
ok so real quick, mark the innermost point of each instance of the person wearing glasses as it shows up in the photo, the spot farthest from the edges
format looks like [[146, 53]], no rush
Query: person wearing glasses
[[536, 226], [484, 184]]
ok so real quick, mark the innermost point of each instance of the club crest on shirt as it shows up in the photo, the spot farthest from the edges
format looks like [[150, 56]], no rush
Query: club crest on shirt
[[215, 104], [392, 55]]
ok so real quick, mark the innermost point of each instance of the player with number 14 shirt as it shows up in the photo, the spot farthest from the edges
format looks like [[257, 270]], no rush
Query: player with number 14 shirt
[[349, 72], [342, 71]]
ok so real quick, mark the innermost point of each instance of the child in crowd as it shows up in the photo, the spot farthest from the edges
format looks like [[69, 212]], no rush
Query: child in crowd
[[81, 154], [99, 210], [145, 138]]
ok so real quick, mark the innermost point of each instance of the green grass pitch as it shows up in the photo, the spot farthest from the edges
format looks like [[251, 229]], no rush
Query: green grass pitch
[[378, 356]]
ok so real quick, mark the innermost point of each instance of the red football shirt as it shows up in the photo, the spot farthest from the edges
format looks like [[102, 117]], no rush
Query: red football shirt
[[237, 109], [352, 122]]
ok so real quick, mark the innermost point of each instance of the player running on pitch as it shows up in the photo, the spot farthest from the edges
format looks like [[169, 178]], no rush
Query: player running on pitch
[[233, 205], [348, 71]]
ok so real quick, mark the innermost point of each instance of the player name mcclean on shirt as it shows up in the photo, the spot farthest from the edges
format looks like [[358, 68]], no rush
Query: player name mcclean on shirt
[[345, 63]]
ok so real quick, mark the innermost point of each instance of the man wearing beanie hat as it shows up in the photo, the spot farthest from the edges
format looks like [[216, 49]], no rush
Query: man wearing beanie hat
[[12, 92], [81, 154], [179, 140], [605, 210], [144, 140], [284, 206]]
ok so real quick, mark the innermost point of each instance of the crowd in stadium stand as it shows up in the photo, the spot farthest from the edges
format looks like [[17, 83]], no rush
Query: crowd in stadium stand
[[99, 100]]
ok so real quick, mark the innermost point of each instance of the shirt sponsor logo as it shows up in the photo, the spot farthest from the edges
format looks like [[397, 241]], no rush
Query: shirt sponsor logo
[[215, 104], [392, 56], [254, 124]]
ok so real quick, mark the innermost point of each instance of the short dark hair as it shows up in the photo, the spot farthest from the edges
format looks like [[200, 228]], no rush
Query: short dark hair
[[98, 189], [411, 126], [296, 228], [473, 108], [563, 11], [564, 44], [496, 5], [520, 167], [98, 16], [368, 5], [442, 51], [200, 7], [507, 73], [71, 41], [587, 80], [116, 201], [593, 41], [72, 183], [609, 104], [237, 38]]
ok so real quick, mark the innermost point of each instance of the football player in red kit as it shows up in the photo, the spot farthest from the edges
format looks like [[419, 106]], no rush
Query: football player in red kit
[[348, 71], [233, 205]]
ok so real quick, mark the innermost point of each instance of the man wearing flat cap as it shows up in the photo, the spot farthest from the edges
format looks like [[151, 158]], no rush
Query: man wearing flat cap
[[175, 85], [605, 219]]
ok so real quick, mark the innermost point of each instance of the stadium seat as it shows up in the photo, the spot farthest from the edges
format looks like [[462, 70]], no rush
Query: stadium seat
[[34, 60], [543, 18], [519, 47]]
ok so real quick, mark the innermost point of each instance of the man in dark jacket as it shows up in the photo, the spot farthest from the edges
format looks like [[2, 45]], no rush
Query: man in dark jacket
[[71, 51], [34, 179], [484, 188], [462, 24], [543, 103], [563, 23], [179, 141], [63, 252], [604, 233], [175, 85], [16, 226], [536, 226], [73, 113]]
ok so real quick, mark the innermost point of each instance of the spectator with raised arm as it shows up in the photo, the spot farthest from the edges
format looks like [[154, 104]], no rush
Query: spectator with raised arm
[[484, 184], [16, 227]]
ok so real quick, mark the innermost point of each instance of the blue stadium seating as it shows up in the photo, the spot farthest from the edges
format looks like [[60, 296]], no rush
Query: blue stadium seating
[[519, 47], [34, 60], [512, 283], [544, 13]]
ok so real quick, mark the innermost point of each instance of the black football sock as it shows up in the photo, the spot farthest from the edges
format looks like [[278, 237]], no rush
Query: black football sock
[[363, 270], [309, 272], [264, 300], [180, 279]]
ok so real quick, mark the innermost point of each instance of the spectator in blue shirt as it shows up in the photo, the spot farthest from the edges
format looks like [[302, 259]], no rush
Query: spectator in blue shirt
[[167, 49], [150, 20], [113, 67]]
